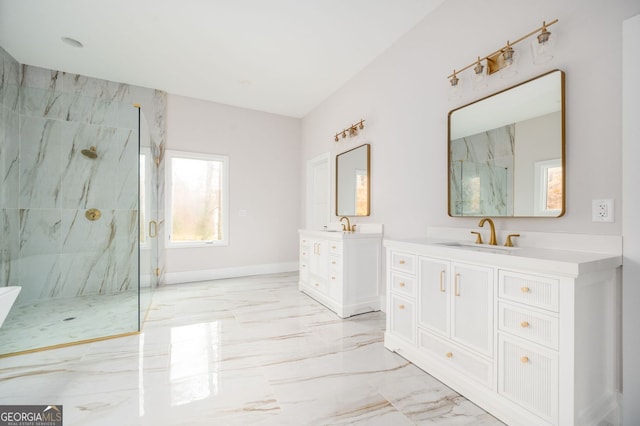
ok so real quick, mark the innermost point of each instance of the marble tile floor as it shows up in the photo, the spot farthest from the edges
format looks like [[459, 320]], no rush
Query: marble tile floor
[[58, 321], [246, 351]]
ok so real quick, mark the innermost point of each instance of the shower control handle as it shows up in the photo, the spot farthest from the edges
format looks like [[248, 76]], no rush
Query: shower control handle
[[93, 214]]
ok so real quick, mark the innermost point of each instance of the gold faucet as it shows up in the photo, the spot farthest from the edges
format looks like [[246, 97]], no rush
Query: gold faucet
[[348, 227], [492, 238]]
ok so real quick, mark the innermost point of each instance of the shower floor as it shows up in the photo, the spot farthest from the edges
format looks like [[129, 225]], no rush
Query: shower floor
[[59, 321]]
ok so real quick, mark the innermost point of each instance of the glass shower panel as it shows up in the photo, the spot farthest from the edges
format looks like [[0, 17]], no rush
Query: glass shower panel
[[149, 272], [72, 229]]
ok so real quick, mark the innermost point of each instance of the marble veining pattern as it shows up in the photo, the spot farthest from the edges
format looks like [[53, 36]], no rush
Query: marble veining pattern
[[245, 351]]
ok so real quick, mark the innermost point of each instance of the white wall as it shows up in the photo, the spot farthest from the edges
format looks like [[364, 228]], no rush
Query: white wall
[[264, 156], [403, 96], [631, 228]]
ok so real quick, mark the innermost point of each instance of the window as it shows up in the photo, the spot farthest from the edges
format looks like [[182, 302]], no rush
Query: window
[[197, 199], [548, 188]]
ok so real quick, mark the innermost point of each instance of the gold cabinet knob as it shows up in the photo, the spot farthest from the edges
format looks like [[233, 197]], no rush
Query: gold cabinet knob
[[333, 262], [317, 284], [401, 284], [333, 278], [524, 324], [401, 262], [304, 266], [400, 306], [524, 289], [333, 247], [449, 355], [304, 253], [524, 359]]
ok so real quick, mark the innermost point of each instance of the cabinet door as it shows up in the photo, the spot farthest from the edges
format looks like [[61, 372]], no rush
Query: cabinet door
[[472, 306], [318, 258], [434, 295]]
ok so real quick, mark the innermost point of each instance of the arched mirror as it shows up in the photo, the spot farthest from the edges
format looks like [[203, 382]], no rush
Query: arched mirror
[[353, 182], [507, 152]]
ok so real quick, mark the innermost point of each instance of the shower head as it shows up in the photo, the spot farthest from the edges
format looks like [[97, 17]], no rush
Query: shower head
[[90, 153]]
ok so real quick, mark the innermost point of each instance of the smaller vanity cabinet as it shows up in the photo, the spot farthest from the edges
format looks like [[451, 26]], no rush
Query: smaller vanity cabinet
[[341, 270], [530, 339]]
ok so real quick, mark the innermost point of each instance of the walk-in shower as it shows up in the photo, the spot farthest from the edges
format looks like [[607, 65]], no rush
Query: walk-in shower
[[70, 222]]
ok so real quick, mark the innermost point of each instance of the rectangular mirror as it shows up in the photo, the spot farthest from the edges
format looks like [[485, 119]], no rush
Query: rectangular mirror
[[507, 152], [352, 182]]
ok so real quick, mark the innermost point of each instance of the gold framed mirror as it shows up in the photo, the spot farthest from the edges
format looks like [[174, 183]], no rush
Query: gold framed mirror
[[353, 191], [506, 152]]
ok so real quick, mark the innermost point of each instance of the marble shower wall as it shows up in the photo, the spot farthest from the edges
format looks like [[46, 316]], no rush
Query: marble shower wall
[[51, 249], [482, 173]]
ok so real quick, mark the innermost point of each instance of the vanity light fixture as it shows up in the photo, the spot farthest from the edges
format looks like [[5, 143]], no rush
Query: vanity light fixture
[[351, 130], [504, 57]]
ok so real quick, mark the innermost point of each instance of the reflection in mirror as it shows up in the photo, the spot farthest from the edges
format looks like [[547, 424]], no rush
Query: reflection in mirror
[[352, 182], [506, 152]]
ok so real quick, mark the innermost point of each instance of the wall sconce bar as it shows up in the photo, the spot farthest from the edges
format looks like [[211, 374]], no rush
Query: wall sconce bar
[[501, 57], [351, 131]]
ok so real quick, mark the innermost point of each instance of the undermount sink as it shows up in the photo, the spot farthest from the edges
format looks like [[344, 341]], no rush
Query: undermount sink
[[478, 247], [8, 296]]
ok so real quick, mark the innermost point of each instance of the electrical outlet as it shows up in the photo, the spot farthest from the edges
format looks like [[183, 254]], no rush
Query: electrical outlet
[[602, 210]]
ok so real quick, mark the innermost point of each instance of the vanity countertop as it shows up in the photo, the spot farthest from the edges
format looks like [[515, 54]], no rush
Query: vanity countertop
[[563, 262], [339, 235]]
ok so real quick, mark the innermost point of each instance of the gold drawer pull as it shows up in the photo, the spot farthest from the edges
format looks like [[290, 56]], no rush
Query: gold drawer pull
[[524, 359], [401, 262], [524, 324], [400, 306], [401, 285], [333, 262], [333, 278], [449, 355], [442, 281], [304, 266], [317, 284], [524, 289], [304, 253], [333, 247], [457, 289]]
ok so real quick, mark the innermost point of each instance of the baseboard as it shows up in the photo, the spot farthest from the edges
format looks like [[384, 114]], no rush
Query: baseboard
[[220, 273]]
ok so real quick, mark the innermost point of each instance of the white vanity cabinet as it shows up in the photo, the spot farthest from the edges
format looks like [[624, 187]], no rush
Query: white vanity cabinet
[[341, 270], [529, 335]]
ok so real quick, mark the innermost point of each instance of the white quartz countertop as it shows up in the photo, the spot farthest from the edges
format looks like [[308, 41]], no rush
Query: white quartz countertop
[[564, 262], [339, 235]]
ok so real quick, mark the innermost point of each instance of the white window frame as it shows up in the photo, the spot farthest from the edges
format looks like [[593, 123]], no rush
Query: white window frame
[[169, 155], [540, 187]]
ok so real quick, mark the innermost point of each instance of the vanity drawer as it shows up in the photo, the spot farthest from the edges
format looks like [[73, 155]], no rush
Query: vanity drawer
[[318, 285], [459, 359], [403, 318], [304, 270], [533, 290], [335, 263], [335, 247], [534, 326], [403, 284], [528, 375], [403, 262]]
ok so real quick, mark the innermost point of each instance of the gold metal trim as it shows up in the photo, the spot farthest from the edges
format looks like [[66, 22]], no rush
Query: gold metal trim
[[137, 106], [66, 345], [562, 150], [368, 211]]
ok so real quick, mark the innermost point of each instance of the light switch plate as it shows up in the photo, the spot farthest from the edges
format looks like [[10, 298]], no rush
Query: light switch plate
[[602, 210]]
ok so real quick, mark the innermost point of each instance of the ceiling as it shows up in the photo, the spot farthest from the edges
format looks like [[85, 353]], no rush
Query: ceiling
[[278, 56]]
